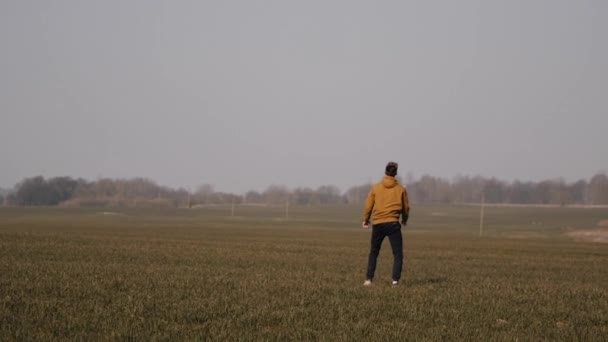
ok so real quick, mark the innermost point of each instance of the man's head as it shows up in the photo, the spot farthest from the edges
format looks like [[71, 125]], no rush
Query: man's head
[[391, 169]]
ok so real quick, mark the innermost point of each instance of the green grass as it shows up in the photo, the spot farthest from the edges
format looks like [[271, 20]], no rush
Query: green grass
[[202, 275]]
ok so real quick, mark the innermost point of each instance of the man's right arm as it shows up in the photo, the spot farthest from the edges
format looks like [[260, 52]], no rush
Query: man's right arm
[[405, 207]]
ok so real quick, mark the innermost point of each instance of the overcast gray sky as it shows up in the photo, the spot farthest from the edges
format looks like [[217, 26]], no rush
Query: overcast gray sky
[[244, 94]]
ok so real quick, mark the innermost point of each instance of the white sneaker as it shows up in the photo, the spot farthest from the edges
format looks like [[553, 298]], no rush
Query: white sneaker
[[368, 282], [395, 282]]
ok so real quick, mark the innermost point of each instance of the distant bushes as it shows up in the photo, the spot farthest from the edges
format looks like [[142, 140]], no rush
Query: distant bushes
[[39, 191], [137, 192], [118, 203]]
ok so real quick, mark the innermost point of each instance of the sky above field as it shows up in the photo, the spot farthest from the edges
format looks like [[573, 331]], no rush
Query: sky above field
[[244, 94]]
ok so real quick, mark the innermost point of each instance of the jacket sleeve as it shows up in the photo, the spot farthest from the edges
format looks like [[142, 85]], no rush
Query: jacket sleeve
[[369, 205], [405, 204]]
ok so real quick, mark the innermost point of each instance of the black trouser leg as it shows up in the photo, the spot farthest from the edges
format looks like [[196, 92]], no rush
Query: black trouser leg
[[396, 240], [376, 243]]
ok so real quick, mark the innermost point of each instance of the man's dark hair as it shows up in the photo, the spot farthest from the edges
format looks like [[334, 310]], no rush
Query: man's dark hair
[[391, 169]]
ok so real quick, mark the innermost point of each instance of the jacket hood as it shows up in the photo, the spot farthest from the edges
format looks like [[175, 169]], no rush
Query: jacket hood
[[389, 182]]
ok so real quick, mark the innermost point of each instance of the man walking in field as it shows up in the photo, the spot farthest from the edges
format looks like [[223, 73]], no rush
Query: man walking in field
[[386, 201]]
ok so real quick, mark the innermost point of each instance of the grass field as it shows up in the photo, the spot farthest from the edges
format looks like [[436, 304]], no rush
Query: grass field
[[199, 274]]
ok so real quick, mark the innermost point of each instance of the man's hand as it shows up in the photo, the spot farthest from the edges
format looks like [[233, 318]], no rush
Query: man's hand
[[404, 220], [365, 224]]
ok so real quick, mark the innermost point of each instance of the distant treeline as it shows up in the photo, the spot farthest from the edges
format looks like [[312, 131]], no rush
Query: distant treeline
[[140, 192], [430, 189]]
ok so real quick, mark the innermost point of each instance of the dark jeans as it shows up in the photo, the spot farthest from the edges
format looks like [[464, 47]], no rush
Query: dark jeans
[[379, 232]]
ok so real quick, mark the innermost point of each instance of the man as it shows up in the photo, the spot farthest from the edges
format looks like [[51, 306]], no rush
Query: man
[[387, 201]]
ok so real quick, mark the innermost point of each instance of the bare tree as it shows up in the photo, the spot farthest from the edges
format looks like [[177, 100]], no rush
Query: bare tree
[[276, 194], [598, 189]]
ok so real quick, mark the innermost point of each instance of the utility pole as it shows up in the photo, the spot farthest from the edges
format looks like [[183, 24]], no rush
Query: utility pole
[[483, 204], [232, 214], [287, 209]]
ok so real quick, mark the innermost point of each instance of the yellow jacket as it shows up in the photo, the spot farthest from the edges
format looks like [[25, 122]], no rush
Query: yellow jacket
[[387, 199]]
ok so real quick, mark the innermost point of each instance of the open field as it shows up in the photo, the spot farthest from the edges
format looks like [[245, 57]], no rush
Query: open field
[[179, 274]]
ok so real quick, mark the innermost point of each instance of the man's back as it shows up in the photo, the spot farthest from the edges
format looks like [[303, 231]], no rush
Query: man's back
[[388, 199]]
